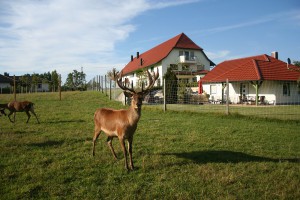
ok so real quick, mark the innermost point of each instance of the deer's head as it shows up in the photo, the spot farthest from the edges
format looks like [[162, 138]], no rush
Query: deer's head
[[137, 97]]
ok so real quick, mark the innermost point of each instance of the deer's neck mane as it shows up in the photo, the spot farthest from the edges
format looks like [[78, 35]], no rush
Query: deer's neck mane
[[134, 115]]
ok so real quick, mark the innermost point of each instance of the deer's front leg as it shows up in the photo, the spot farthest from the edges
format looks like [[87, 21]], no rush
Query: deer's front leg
[[122, 142], [28, 115], [130, 152], [35, 116]]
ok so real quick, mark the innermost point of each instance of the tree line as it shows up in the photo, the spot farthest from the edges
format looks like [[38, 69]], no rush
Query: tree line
[[30, 82]]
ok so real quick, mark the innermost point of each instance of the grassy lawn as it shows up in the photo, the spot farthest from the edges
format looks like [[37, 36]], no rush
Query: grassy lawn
[[283, 112], [177, 155]]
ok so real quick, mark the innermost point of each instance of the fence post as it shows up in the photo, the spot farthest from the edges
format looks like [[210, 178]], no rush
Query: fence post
[[105, 85], [165, 103], [102, 84], [15, 92], [110, 89], [227, 97], [59, 86]]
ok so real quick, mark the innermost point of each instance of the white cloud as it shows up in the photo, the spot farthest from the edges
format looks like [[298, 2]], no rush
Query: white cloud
[[36, 36], [218, 55]]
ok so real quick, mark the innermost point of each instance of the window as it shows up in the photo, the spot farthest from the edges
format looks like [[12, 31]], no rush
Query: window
[[213, 89], [192, 56], [189, 55], [286, 89]]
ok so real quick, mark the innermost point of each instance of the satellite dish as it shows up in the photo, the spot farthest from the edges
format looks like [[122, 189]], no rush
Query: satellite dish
[[289, 61]]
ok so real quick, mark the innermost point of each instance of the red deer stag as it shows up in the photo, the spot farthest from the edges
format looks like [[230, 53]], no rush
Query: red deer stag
[[16, 106], [122, 123]]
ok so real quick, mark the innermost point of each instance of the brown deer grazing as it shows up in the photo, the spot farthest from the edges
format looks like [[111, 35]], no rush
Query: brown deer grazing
[[122, 123], [15, 106]]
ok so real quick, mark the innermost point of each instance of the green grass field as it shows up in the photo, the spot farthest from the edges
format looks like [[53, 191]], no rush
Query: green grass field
[[282, 112], [177, 155]]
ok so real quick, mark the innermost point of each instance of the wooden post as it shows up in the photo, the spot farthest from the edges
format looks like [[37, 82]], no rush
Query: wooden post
[[165, 102], [105, 85], [102, 84], [15, 93], [256, 93], [59, 86], [227, 97], [110, 89], [222, 100], [256, 86]]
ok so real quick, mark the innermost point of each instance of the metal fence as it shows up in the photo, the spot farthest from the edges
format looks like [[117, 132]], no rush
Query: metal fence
[[176, 95], [180, 96]]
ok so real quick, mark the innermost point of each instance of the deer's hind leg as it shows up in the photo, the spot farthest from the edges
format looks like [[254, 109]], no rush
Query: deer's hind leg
[[109, 143], [96, 135]]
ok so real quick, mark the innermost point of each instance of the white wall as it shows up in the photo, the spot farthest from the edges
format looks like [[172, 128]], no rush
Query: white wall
[[173, 58], [272, 90]]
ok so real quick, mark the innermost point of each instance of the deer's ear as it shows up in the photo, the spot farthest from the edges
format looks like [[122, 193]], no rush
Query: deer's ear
[[128, 94]]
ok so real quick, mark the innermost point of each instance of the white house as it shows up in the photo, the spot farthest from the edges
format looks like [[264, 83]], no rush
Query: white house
[[257, 79], [180, 53]]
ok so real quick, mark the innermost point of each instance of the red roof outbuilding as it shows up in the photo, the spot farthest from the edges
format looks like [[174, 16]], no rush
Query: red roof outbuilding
[[255, 68]]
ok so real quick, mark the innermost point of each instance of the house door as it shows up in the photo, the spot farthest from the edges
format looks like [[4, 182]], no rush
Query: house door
[[243, 89]]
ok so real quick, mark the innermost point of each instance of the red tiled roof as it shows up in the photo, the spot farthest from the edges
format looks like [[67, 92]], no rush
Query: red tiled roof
[[261, 67], [159, 52]]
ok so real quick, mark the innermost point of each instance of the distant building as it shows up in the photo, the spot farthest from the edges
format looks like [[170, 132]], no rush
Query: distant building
[[260, 79]]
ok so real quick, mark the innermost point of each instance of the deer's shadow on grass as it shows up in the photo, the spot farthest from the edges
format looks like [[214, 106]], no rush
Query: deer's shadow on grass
[[203, 157]]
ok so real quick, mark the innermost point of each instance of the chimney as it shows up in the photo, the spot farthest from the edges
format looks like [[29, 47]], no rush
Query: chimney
[[131, 58], [274, 54], [137, 54]]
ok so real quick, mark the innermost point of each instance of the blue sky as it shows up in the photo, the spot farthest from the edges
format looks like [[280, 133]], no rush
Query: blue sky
[[38, 36]]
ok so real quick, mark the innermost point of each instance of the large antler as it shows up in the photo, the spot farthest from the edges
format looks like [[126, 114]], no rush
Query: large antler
[[151, 79], [120, 84]]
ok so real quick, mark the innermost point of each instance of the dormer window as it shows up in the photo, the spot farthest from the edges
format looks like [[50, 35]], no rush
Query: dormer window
[[189, 55]]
